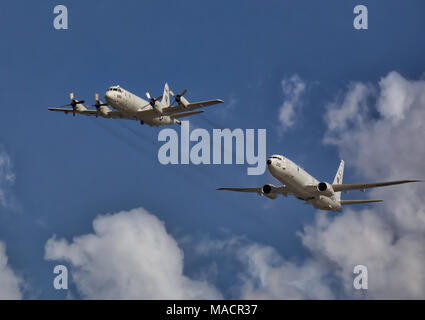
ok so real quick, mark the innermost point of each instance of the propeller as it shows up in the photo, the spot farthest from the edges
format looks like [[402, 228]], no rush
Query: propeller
[[177, 97], [152, 101], [73, 103], [98, 104]]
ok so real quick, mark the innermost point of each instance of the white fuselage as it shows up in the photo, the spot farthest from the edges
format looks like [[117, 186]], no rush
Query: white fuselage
[[296, 179], [131, 104]]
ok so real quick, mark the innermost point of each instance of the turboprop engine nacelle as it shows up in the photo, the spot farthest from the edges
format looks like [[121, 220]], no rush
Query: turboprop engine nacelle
[[269, 191], [184, 102], [325, 189], [104, 110]]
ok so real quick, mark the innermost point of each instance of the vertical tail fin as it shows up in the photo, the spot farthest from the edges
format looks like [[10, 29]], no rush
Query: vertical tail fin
[[166, 96], [338, 178]]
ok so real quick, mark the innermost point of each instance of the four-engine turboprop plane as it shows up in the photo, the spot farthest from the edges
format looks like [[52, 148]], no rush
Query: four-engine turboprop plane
[[297, 182], [155, 112]]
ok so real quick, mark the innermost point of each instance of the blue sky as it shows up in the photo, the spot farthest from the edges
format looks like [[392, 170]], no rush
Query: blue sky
[[70, 170]]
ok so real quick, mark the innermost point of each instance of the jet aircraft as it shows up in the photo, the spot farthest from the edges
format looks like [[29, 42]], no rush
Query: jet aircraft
[[321, 195]]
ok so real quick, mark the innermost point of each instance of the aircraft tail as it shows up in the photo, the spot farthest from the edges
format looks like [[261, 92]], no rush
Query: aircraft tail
[[166, 96], [338, 178]]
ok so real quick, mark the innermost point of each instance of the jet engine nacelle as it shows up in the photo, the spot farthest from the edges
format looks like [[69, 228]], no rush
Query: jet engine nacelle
[[325, 189], [269, 191]]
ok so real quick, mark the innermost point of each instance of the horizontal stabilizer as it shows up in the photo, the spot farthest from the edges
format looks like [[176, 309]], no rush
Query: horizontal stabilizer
[[344, 202]]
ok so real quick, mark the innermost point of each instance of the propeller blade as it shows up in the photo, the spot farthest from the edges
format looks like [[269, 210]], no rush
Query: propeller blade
[[177, 96], [79, 102], [96, 96], [148, 95], [71, 95]]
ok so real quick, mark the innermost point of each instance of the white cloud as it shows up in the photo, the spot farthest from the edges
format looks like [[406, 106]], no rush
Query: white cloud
[[130, 255], [379, 130], [293, 89], [389, 146], [9, 282], [351, 109], [269, 276], [264, 273]]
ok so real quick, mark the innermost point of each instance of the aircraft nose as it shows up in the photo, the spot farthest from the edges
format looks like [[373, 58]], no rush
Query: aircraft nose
[[269, 162], [108, 96]]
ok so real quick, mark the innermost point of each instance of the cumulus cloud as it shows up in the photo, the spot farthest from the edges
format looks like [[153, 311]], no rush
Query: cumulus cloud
[[388, 145], [269, 276], [262, 273], [9, 282], [379, 129], [129, 255], [293, 89]]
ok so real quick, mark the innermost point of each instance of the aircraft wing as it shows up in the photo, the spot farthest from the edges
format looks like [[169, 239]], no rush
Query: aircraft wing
[[275, 190], [186, 114], [362, 186], [257, 190], [180, 109], [191, 106], [62, 109], [111, 114]]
